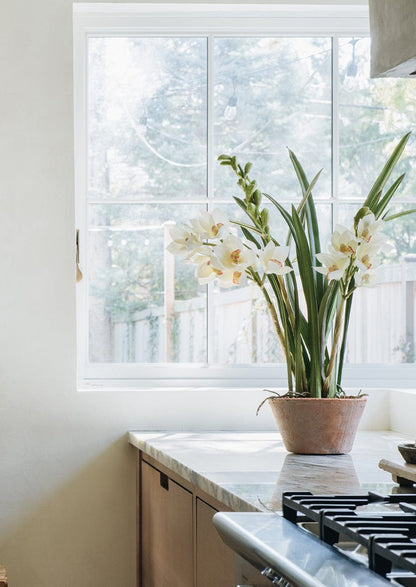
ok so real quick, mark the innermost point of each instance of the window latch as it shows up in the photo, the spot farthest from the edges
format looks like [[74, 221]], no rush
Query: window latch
[[79, 272]]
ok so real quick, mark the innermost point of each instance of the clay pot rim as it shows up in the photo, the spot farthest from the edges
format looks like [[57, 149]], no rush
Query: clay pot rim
[[319, 399]]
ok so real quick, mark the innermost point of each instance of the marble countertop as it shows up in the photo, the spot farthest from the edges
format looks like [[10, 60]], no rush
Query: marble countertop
[[248, 471]]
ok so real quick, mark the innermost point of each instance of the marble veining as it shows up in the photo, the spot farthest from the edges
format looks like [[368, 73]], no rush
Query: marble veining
[[248, 471]]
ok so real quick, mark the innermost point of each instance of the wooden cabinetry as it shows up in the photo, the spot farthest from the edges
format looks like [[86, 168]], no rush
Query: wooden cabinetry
[[214, 560], [167, 531], [178, 545]]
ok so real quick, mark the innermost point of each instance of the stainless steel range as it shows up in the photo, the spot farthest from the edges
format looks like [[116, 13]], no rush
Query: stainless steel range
[[362, 540]]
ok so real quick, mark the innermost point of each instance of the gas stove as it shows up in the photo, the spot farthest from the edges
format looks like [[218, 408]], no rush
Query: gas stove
[[378, 531], [360, 540]]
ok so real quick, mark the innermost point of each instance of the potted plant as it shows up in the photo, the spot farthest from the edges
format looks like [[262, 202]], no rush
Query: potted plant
[[315, 415]]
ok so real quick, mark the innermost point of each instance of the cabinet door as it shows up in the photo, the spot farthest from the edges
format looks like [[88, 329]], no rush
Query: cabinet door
[[214, 560], [166, 526]]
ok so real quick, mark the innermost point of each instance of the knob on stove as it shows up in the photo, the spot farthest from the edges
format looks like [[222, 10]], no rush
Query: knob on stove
[[276, 579]]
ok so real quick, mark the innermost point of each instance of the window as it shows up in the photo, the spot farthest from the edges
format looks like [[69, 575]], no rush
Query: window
[[159, 94]]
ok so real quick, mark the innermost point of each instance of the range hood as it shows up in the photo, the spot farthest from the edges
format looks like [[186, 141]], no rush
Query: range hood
[[393, 38]]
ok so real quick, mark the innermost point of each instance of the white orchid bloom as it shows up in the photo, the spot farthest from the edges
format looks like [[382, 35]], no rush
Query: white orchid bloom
[[205, 272], [210, 225], [334, 264], [185, 241], [273, 258], [368, 278], [344, 241], [231, 253], [232, 277], [228, 262], [366, 256], [368, 227]]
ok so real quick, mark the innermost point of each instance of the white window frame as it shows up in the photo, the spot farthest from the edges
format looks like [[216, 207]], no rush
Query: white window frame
[[96, 19]]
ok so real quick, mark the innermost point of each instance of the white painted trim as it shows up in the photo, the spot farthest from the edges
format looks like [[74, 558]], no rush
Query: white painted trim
[[262, 19]]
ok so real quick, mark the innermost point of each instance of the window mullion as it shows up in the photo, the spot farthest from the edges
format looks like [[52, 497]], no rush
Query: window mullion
[[335, 129], [210, 187]]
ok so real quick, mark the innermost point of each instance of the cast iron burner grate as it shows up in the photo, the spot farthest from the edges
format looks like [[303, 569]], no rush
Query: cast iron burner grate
[[388, 536]]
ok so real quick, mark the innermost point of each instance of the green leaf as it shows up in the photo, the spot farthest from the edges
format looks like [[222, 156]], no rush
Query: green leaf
[[306, 273], [375, 192], [327, 311], [385, 200], [308, 205], [341, 355], [399, 214], [241, 203], [249, 236]]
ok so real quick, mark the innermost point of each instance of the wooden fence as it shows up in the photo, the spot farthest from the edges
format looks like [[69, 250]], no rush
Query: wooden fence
[[381, 330]]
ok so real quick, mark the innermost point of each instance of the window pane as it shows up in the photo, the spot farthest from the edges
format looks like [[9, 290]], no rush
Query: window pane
[[147, 118], [144, 306], [269, 94], [374, 113]]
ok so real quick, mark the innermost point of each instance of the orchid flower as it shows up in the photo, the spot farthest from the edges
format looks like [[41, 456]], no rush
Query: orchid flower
[[334, 264], [231, 253], [185, 241], [272, 259], [368, 226], [344, 241], [210, 225], [366, 256], [368, 278]]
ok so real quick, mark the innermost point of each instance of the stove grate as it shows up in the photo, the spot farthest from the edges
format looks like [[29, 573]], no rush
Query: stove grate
[[390, 538]]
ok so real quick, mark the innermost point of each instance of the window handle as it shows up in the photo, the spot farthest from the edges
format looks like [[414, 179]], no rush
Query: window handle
[[79, 272]]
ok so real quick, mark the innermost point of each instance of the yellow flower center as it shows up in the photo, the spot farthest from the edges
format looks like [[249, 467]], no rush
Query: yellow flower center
[[235, 256], [346, 249], [216, 228], [366, 261]]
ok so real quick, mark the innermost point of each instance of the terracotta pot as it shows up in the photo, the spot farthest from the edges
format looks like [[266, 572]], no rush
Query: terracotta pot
[[318, 426]]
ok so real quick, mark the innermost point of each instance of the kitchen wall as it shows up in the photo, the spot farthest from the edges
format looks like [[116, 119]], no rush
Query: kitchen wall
[[66, 471]]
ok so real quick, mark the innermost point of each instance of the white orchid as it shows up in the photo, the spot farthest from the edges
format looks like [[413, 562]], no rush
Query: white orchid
[[366, 256], [273, 258], [344, 241], [210, 225], [334, 264], [368, 227], [205, 272], [227, 262], [232, 277], [185, 241], [232, 253], [368, 278]]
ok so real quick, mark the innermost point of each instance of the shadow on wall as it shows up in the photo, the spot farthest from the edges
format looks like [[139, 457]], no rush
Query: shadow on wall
[[69, 537]]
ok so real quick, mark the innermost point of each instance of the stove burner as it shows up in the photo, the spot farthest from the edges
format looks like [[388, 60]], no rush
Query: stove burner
[[388, 535]]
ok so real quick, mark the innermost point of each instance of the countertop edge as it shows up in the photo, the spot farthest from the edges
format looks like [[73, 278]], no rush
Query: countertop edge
[[224, 496]]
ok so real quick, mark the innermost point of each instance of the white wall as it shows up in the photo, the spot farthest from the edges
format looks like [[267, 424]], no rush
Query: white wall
[[67, 479]]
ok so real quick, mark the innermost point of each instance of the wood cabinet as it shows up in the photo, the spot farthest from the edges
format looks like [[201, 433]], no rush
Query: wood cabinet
[[214, 565], [177, 543], [167, 531]]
